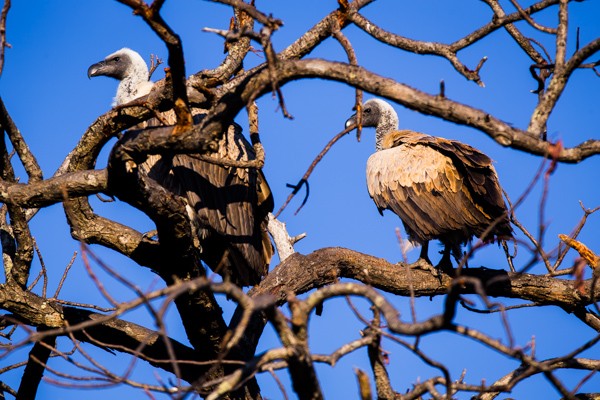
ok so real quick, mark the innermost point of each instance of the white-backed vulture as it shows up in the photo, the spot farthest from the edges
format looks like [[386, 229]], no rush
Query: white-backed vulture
[[441, 189], [230, 205]]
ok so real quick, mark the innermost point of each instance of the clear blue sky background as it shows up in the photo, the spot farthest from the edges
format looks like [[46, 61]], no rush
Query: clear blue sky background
[[48, 94]]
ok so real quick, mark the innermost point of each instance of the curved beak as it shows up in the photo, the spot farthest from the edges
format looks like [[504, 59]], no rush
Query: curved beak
[[96, 69], [350, 121]]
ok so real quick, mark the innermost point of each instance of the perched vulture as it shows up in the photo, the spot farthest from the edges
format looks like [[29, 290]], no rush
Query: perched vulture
[[230, 205], [441, 189]]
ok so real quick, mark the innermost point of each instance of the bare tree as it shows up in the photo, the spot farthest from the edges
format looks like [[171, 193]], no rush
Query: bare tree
[[220, 359]]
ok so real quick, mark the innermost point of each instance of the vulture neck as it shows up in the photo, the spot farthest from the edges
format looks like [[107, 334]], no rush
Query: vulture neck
[[388, 122], [135, 84]]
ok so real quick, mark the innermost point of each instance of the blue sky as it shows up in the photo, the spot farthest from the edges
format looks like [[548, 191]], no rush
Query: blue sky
[[48, 94]]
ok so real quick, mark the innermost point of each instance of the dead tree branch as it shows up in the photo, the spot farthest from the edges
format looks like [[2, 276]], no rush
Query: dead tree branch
[[3, 43], [151, 15], [34, 371]]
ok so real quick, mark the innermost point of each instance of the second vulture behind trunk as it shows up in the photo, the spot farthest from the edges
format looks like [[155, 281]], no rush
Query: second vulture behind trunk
[[441, 189], [229, 206]]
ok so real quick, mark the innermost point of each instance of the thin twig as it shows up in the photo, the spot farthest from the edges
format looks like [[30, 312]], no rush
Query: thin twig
[[64, 276], [304, 180], [154, 63], [352, 59], [99, 284], [530, 20], [264, 19]]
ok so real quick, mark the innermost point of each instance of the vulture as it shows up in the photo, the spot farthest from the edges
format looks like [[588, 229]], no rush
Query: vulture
[[441, 189], [228, 206]]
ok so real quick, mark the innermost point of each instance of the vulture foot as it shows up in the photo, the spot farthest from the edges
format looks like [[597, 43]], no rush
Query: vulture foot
[[150, 234], [424, 265]]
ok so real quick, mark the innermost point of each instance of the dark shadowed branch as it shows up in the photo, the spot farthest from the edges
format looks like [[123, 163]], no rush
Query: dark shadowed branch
[[21, 254], [27, 158], [34, 371], [151, 15]]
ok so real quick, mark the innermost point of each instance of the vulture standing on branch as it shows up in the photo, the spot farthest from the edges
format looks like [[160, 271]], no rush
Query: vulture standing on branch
[[441, 189], [230, 205]]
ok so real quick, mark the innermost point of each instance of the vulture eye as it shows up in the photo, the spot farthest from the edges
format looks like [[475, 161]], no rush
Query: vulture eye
[[117, 59], [367, 110]]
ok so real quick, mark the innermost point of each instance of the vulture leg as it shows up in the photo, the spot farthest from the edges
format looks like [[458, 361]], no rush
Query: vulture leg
[[424, 251], [445, 263]]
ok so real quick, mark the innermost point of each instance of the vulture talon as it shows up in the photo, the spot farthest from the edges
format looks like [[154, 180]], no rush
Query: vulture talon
[[445, 267], [424, 265], [150, 234]]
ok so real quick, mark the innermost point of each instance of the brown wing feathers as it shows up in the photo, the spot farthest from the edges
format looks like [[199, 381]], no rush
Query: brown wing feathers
[[230, 223], [231, 207], [482, 183]]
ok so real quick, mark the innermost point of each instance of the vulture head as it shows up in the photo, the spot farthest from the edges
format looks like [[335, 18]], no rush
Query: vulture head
[[380, 115], [130, 69]]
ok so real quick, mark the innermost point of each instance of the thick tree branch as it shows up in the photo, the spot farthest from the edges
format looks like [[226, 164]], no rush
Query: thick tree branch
[[102, 331], [324, 266], [452, 111], [302, 273], [234, 95], [557, 85], [53, 190], [151, 15], [236, 53]]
